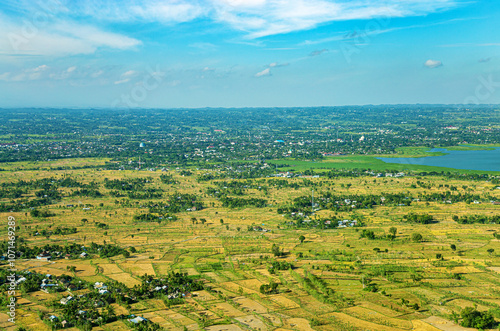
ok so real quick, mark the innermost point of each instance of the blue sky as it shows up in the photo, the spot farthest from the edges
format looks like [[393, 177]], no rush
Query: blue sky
[[238, 53]]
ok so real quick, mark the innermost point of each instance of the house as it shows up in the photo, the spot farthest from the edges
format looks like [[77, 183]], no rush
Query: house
[[83, 255], [346, 223], [100, 285], [20, 280], [44, 257], [65, 301], [53, 318], [103, 291], [45, 286], [137, 320]]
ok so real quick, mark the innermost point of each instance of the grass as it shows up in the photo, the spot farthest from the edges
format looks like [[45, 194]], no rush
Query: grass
[[365, 162]]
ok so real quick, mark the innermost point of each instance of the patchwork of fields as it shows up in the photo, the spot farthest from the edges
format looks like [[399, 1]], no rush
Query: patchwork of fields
[[335, 278]]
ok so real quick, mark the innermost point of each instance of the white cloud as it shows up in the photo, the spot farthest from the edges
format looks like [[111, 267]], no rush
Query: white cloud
[[126, 77], [277, 65], [71, 74], [36, 73], [169, 11], [5, 76], [58, 39], [129, 73], [433, 64], [264, 18], [122, 81], [256, 18], [166, 11], [204, 46], [43, 67], [265, 72], [97, 74]]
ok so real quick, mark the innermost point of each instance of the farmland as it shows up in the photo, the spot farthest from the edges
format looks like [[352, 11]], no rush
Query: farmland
[[230, 251], [341, 242]]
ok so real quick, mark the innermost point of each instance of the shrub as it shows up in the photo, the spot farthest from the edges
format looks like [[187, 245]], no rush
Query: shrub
[[416, 237]]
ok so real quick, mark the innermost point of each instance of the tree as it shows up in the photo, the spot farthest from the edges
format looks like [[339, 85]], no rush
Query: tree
[[439, 256], [276, 250], [490, 251], [269, 288], [415, 277], [416, 237], [453, 247], [302, 238], [132, 249], [393, 231], [369, 234], [472, 318]]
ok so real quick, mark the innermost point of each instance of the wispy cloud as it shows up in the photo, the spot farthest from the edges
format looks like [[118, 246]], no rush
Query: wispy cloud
[[359, 35], [277, 65], [273, 65], [318, 52], [58, 39], [471, 45], [265, 72], [71, 74], [256, 18], [264, 18], [26, 74], [204, 46], [126, 77]]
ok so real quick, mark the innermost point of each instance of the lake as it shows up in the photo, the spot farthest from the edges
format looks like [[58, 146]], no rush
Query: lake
[[485, 160]]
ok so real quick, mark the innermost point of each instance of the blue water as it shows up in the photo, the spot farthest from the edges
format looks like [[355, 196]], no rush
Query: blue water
[[488, 160]]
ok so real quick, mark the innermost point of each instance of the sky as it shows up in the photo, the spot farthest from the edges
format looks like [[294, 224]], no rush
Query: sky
[[248, 53]]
